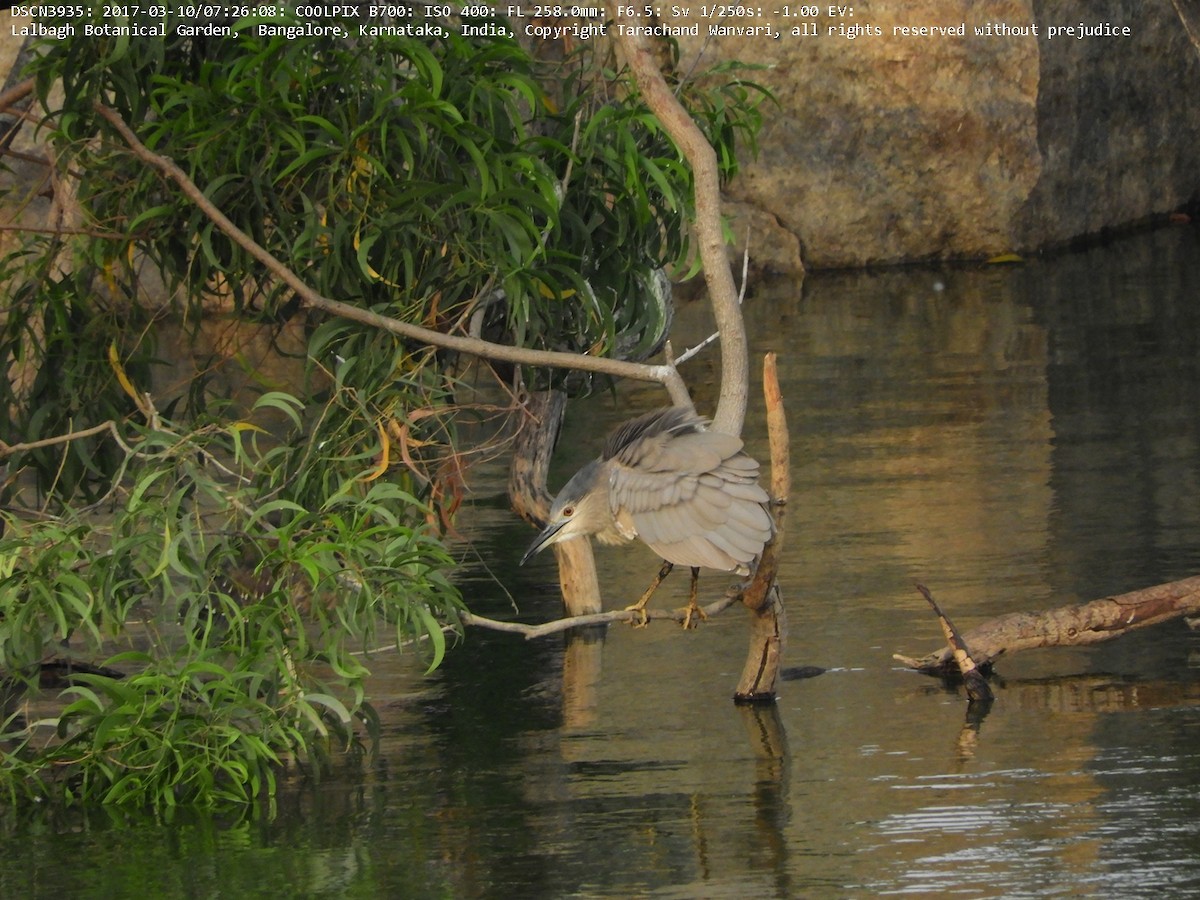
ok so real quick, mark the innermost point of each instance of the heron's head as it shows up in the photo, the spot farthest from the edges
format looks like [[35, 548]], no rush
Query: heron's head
[[579, 509]]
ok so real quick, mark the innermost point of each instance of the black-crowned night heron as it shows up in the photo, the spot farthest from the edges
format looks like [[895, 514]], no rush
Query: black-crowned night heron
[[690, 494]]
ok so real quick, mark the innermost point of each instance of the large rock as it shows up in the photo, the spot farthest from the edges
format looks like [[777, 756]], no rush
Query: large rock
[[888, 148]]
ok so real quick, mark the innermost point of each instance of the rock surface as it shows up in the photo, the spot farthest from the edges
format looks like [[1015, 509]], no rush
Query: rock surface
[[891, 147]]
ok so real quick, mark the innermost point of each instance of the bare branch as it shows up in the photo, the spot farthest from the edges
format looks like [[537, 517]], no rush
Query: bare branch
[[977, 686], [735, 367], [9, 449], [1066, 626], [1191, 21], [768, 617], [602, 618]]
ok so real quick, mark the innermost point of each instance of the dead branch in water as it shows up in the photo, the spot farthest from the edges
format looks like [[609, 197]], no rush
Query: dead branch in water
[[977, 686], [1069, 626], [768, 621]]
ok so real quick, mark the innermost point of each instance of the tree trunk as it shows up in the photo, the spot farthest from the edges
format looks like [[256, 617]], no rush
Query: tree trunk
[[768, 625], [706, 225], [532, 448]]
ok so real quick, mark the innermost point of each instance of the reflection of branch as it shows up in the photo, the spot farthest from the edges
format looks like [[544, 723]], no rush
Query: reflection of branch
[[603, 618], [665, 375]]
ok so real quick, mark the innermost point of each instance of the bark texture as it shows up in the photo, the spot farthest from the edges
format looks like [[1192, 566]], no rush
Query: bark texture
[[1069, 626], [888, 147], [768, 619], [527, 473]]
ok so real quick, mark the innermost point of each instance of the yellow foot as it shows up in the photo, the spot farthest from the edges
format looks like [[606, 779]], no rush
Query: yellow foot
[[691, 612], [639, 620]]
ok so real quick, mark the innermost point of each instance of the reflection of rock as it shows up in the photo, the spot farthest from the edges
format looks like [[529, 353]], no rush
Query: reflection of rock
[[887, 148]]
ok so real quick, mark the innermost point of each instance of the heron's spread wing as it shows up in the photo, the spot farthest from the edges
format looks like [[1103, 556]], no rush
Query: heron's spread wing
[[692, 496], [654, 424]]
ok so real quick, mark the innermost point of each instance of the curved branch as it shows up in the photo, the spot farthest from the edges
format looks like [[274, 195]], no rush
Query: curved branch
[[9, 449], [663, 374], [722, 292]]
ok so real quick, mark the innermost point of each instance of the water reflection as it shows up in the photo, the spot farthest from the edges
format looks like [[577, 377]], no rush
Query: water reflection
[[1012, 437]]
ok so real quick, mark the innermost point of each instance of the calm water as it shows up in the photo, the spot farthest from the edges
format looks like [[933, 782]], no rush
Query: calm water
[[1013, 437]]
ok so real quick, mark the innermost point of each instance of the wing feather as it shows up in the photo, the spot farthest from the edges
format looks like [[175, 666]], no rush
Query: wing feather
[[689, 494]]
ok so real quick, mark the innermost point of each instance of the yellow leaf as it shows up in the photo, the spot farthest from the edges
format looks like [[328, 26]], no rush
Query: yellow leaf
[[114, 360], [385, 452], [1005, 258], [110, 282], [370, 268], [546, 292]]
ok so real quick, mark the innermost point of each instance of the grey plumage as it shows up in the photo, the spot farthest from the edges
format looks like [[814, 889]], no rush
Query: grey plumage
[[690, 494]]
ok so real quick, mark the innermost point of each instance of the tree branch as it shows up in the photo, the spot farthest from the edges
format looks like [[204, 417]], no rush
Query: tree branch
[[722, 292], [602, 618], [662, 374], [1069, 626], [16, 94], [1190, 17], [768, 618], [9, 449]]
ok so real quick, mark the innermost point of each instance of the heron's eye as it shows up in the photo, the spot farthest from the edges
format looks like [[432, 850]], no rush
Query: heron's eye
[[568, 512]]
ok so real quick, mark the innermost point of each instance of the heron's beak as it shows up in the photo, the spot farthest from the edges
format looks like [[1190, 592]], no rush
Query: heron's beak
[[543, 540]]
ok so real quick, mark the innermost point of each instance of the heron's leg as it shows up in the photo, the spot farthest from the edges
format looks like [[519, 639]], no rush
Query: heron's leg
[[639, 621], [693, 608]]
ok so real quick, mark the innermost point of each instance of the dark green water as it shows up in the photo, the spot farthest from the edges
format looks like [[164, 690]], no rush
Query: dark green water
[[1013, 437]]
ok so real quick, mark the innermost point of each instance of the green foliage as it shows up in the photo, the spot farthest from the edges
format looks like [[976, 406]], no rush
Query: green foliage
[[242, 559], [251, 615], [427, 178]]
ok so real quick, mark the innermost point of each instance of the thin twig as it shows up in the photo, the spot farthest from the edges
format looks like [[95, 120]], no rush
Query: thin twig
[[21, 155], [447, 630], [566, 179], [86, 232], [1191, 22], [9, 449], [692, 351], [732, 596]]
